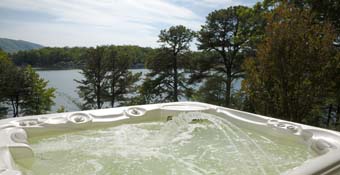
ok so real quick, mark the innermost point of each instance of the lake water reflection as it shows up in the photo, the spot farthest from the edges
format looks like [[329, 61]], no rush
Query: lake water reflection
[[66, 88]]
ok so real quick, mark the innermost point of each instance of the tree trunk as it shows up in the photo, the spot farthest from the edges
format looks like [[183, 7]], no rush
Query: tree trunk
[[175, 78], [113, 94], [229, 81], [17, 105], [113, 83], [228, 91], [98, 96], [227, 67], [13, 107]]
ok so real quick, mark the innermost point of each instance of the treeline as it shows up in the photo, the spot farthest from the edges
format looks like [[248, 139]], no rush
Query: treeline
[[285, 53], [71, 57]]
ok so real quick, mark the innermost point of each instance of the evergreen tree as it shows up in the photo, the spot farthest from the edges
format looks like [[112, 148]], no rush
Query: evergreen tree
[[227, 34], [107, 77], [121, 82], [165, 83], [92, 87]]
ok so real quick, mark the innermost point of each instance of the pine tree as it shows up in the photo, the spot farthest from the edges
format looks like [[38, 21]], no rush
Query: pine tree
[[92, 87], [227, 34], [107, 78], [165, 83], [121, 82]]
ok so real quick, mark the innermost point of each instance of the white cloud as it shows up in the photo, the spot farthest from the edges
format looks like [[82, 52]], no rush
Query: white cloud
[[105, 12], [92, 22], [210, 3]]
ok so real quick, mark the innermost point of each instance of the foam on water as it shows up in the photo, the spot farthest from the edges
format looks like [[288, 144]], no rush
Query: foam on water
[[191, 143]]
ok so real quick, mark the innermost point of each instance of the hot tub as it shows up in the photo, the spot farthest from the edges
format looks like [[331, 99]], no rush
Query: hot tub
[[169, 138]]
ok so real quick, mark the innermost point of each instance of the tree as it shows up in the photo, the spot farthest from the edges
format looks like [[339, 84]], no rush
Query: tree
[[12, 84], [107, 78], [23, 89], [5, 67], [70, 57], [226, 32], [336, 86], [121, 82], [327, 10], [165, 80], [17, 87], [39, 98], [92, 87], [290, 76], [212, 92], [176, 40], [5, 64], [324, 11]]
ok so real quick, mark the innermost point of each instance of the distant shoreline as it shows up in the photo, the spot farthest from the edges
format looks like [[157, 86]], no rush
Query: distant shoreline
[[70, 68]]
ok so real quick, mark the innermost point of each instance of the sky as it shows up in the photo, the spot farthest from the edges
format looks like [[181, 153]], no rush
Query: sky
[[60, 23]]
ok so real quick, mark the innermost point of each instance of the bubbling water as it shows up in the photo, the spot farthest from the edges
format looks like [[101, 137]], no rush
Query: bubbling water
[[191, 143]]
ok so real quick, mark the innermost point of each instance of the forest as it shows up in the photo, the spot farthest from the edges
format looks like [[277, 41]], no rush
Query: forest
[[71, 57], [286, 53]]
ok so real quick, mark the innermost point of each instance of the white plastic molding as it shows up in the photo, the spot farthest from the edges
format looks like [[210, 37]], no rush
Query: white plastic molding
[[14, 132]]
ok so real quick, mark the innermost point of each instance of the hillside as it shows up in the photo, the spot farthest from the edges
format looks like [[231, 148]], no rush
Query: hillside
[[10, 46]]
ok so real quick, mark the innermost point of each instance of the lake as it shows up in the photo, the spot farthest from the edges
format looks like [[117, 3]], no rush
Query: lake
[[66, 88]]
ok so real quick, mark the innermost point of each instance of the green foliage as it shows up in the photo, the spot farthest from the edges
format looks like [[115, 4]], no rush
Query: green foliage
[[12, 84], [39, 98], [61, 109], [51, 57], [212, 91], [226, 34], [290, 77], [165, 83], [158, 84], [120, 81], [323, 11], [327, 10], [92, 87], [107, 78], [75, 57], [5, 65], [23, 89], [16, 88], [177, 39]]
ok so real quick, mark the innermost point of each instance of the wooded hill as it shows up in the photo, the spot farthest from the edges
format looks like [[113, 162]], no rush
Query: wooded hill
[[11, 46]]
